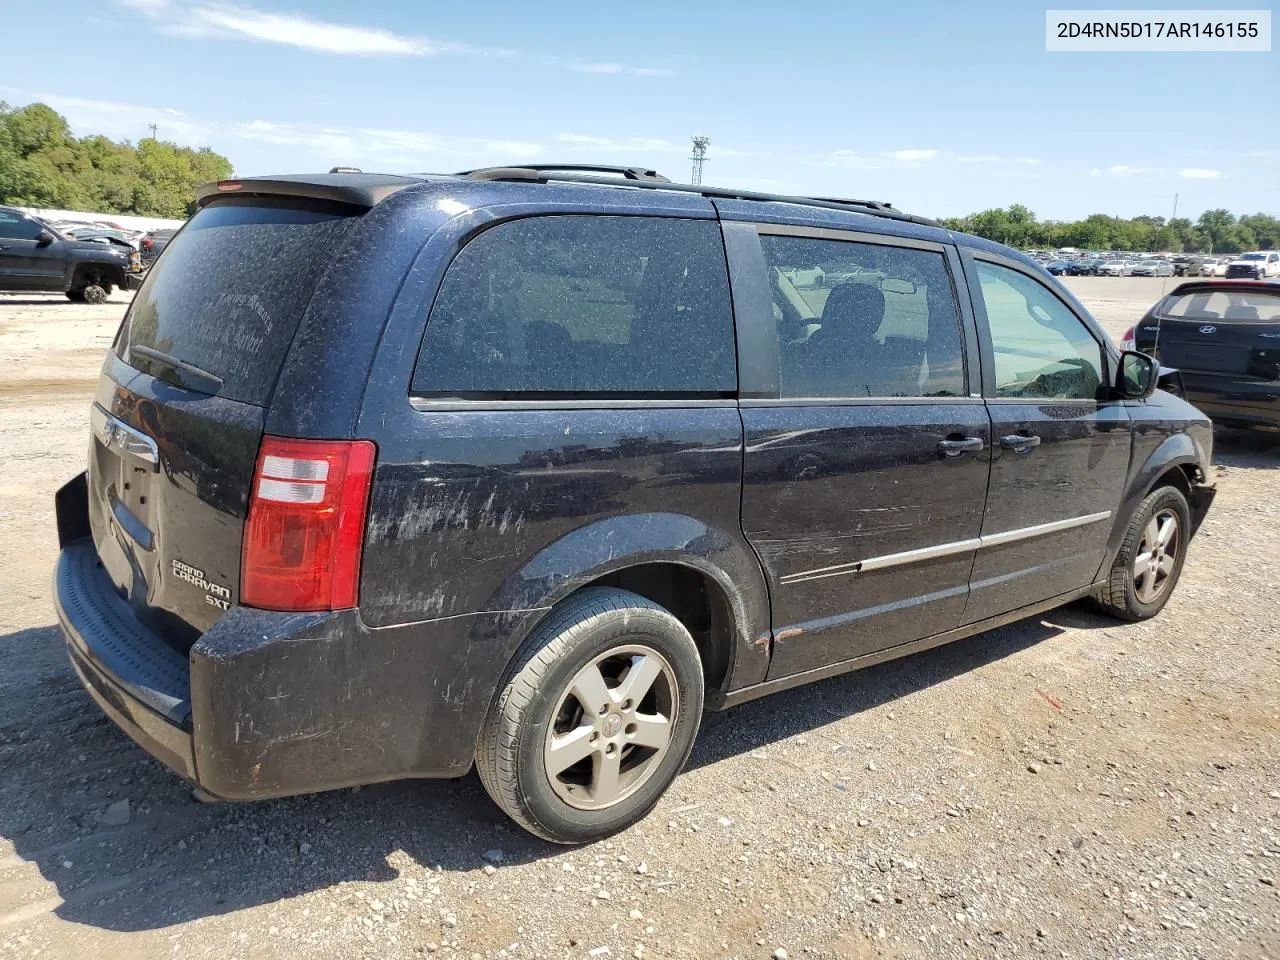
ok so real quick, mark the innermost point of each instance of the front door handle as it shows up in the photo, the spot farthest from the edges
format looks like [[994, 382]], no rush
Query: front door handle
[[1020, 442], [954, 448]]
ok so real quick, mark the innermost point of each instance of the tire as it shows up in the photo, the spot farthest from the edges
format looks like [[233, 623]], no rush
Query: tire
[[592, 636], [1129, 594], [93, 293], [76, 295]]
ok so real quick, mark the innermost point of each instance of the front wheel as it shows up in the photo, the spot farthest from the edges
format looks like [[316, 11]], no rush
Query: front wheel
[[596, 718], [1150, 559]]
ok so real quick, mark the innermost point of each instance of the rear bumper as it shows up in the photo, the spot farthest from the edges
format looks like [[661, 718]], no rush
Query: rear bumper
[[1233, 402], [270, 704], [137, 680]]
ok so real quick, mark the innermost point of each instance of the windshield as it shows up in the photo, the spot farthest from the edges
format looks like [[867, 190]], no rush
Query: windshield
[[1253, 256]]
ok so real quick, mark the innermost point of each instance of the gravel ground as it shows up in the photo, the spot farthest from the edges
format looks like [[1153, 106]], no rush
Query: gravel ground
[[1067, 786]]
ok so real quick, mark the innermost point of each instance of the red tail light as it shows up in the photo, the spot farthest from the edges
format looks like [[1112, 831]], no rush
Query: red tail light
[[1126, 342], [305, 531]]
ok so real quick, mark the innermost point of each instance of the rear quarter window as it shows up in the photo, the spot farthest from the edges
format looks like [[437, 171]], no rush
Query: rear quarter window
[[228, 293], [570, 306]]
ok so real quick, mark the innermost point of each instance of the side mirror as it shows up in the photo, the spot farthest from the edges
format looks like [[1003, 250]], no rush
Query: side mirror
[[45, 238], [1137, 375]]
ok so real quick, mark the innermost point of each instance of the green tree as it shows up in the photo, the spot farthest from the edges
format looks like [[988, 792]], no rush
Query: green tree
[[1266, 230], [1218, 230], [43, 165]]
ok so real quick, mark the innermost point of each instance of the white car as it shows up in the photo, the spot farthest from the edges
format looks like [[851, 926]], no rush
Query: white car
[[1115, 268], [806, 276], [1257, 265]]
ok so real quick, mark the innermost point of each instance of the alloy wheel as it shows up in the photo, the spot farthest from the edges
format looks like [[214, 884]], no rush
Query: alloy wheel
[[612, 727], [1157, 556]]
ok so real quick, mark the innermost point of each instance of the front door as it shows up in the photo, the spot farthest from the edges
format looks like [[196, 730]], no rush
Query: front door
[[866, 472], [1060, 443], [24, 264]]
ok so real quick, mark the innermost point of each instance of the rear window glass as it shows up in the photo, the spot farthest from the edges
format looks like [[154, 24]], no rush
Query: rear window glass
[[227, 295], [571, 305], [1223, 305]]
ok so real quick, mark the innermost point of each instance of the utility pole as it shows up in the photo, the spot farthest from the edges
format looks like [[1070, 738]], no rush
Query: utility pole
[[153, 129], [699, 157]]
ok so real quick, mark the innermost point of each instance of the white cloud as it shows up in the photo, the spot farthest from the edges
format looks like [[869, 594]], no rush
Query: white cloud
[[322, 146], [847, 160], [633, 145], [149, 7], [217, 19], [988, 158], [1199, 173], [401, 148], [230, 20], [120, 121], [911, 156], [299, 31], [616, 69], [1120, 170]]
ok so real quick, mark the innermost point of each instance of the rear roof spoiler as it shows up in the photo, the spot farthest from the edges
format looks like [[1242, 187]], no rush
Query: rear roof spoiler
[[358, 189]]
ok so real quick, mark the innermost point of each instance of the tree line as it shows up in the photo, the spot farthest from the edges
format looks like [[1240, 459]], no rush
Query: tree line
[[43, 165], [1215, 231]]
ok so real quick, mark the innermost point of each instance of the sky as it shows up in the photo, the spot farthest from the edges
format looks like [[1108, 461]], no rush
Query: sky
[[940, 108]]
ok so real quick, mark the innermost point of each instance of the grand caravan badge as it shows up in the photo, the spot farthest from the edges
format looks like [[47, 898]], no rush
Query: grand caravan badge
[[215, 594]]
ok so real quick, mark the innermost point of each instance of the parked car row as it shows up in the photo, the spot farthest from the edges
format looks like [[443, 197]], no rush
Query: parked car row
[[1256, 265]]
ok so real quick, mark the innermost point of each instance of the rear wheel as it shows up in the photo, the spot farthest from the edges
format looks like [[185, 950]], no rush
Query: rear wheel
[[597, 717], [1150, 560]]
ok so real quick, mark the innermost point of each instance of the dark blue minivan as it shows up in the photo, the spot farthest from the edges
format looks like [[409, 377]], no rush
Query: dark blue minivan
[[525, 467]]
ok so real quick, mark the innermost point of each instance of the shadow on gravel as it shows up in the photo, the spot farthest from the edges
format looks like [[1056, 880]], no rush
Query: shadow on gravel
[[1246, 448], [760, 722], [173, 860]]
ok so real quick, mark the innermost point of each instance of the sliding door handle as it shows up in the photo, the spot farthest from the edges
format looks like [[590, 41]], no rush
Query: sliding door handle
[[1020, 443], [954, 448]]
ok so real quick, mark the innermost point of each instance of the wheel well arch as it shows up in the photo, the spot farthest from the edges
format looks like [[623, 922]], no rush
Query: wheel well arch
[[1180, 475], [86, 272], [693, 597]]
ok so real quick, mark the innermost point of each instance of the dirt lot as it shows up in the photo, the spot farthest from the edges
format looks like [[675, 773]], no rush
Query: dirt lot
[[1064, 787]]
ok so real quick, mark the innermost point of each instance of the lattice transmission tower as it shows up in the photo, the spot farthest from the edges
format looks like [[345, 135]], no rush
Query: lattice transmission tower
[[699, 157]]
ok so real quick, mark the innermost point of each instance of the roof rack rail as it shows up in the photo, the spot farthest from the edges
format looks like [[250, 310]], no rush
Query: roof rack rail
[[533, 171], [545, 173]]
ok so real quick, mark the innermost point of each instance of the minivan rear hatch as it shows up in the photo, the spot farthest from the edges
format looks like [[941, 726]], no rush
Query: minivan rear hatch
[[179, 413], [1233, 331]]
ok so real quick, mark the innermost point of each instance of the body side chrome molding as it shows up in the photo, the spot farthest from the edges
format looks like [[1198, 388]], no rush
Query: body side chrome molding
[[722, 700], [944, 549]]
